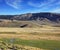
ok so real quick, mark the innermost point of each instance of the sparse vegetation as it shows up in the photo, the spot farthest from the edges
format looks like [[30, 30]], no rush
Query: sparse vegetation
[[10, 46], [9, 23], [31, 37], [44, 44]]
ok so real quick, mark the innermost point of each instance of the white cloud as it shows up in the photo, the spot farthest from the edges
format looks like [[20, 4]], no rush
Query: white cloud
[[51, 6], [57, 10], [42, 4], [14, 3]]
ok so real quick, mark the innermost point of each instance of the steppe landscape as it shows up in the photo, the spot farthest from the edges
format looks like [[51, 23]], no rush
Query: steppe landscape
[[29, 24], [29, 35]]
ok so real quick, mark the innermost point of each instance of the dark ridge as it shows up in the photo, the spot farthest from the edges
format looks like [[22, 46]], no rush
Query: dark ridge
[[54, 17]]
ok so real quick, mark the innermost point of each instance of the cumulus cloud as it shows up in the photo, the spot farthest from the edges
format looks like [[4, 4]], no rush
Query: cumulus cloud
[[14, 3]]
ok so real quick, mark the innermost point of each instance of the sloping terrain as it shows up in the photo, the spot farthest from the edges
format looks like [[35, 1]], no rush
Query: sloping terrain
[[20, 24], [52, 19]]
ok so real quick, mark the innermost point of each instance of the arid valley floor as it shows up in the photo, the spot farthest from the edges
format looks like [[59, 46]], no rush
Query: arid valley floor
[[32, 38]]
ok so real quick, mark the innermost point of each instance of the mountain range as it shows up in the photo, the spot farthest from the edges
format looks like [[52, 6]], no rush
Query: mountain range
[[43, 18]]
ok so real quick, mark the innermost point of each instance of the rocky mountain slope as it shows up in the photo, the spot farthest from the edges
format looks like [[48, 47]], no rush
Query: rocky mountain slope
[[44, 18]]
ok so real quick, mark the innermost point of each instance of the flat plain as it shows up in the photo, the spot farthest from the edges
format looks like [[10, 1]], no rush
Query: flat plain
[[35, 38]]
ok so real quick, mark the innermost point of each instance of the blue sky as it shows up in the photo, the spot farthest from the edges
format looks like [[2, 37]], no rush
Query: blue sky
[[13, 7]]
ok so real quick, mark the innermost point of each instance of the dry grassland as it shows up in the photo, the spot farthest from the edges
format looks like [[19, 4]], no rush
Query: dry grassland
[[30, 33]]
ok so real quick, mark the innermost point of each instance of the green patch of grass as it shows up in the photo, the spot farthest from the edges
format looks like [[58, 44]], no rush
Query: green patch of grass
[[44, 44]]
